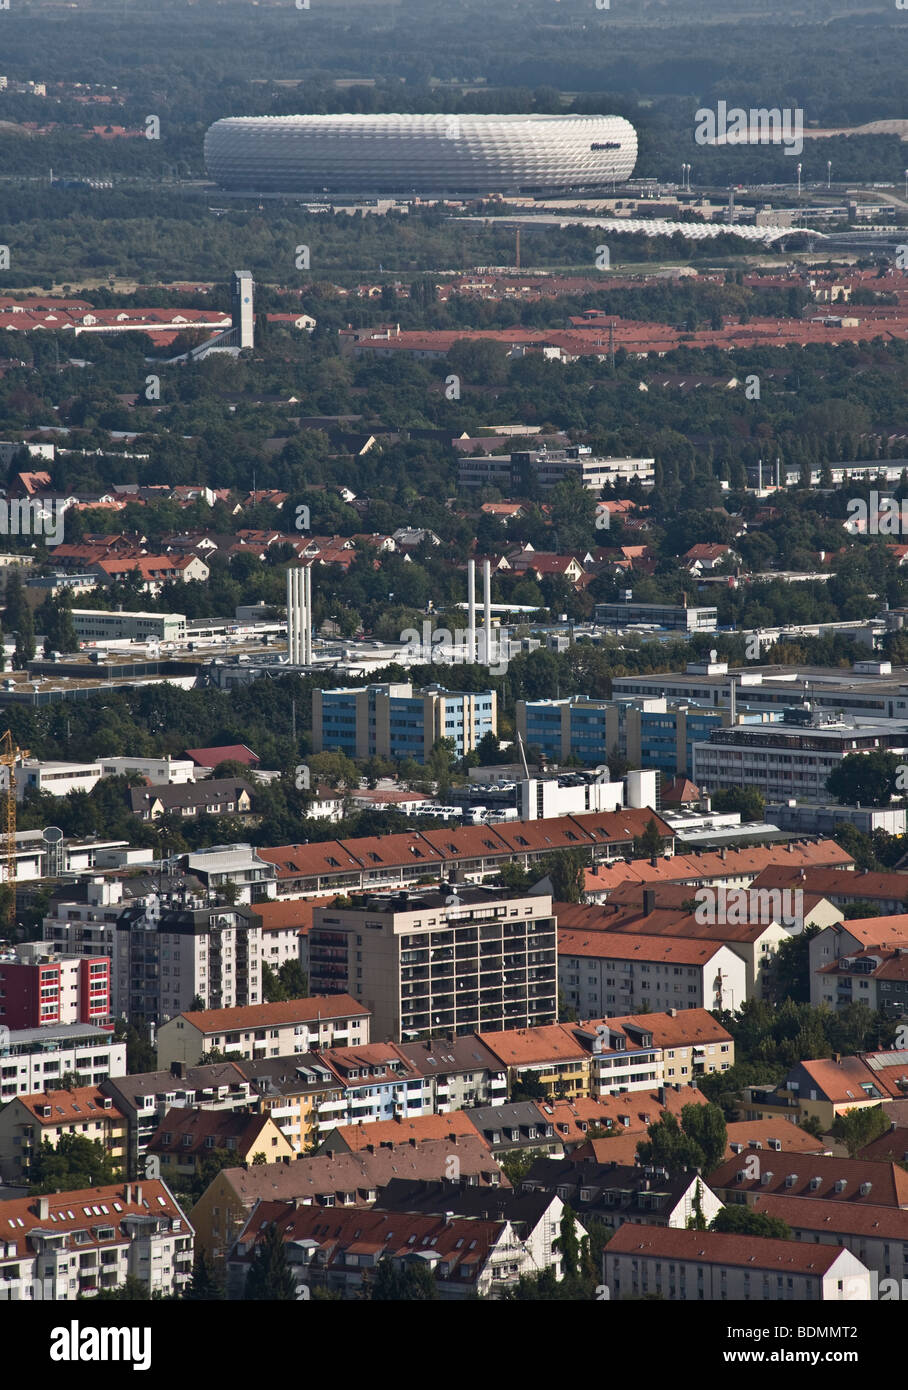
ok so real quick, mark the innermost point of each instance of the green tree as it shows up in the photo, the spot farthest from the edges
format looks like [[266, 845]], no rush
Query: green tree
[[517, 1164], [25, 640], [855, 1128], [204, 1286], [132, 1291], [747, 801], [698, 1142], [697, 1222], [866, 779], [742, 1220], [270, 1279], [790, 973], [568, 1244], [705, 1124], [394, 1283], [565, 868], [75, 1162], [649, 844], [513, 875]]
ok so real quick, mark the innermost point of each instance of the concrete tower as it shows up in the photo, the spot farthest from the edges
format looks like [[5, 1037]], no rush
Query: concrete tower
[[472, 644], [242, 310], [299, 615]]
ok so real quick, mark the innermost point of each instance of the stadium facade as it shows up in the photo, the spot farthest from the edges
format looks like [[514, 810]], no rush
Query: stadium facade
[[419, 155]]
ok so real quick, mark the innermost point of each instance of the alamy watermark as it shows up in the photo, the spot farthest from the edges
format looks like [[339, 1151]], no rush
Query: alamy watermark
[[878, 516], [733, 907], [465, 647], [30, 516], [757, 126]]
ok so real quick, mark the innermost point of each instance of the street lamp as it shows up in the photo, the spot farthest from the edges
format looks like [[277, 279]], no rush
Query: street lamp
[[799, 179], [828, 174]]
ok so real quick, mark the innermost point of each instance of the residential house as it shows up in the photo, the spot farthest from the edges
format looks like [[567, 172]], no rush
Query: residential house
[[224, 796], [340, 1250], [613, 1192], [265, 1030], [78, 1243], [186, 1137], [334, 1180], [144, 1097], [29, 1122]]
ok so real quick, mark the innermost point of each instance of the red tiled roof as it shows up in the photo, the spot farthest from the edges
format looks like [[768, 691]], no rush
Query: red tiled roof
[[320, 1006], [715, 1247]]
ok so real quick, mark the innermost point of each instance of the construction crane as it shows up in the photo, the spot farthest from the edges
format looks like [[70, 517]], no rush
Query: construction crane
[[9, 753]]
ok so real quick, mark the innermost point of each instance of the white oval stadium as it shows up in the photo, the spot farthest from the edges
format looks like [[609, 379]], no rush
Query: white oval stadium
[[397, 154]]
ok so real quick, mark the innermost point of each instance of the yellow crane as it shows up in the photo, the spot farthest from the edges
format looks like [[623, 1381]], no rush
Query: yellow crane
[[9, 752]]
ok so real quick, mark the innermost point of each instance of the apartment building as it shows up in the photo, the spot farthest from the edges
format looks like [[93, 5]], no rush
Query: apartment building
[[598, 969], [454, 960], [333, 1180], [876, 976], [265, 1030], [552, 1056], [186, 1137], [253, 878], [377, 1083], [731, 868], [301, 1094], [171, 950], [412, 1131], [707, 1266], [824, 1088], [144, 1097], [827, 1183], [391, 721], [456, 1072], [870, 690], [78, 1243], [82, 917], [638, 1053], [753, 926], [614, 1193], [408, 859], [338, 1250], [27, 1122], [39, 987], [535, 1213], [877, 1236], [284, 929], [31, 1059], [222, 796]]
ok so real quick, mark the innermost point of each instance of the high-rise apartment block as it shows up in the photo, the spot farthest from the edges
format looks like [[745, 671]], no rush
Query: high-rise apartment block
[[450, 960]]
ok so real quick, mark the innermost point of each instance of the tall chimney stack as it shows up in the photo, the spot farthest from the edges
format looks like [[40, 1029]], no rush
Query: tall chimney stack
[[471, 611], [487, 610]]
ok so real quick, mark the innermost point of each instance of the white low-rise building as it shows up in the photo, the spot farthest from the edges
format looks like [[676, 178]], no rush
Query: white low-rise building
[[35, 1059], [158, 771], [710, 1266]]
